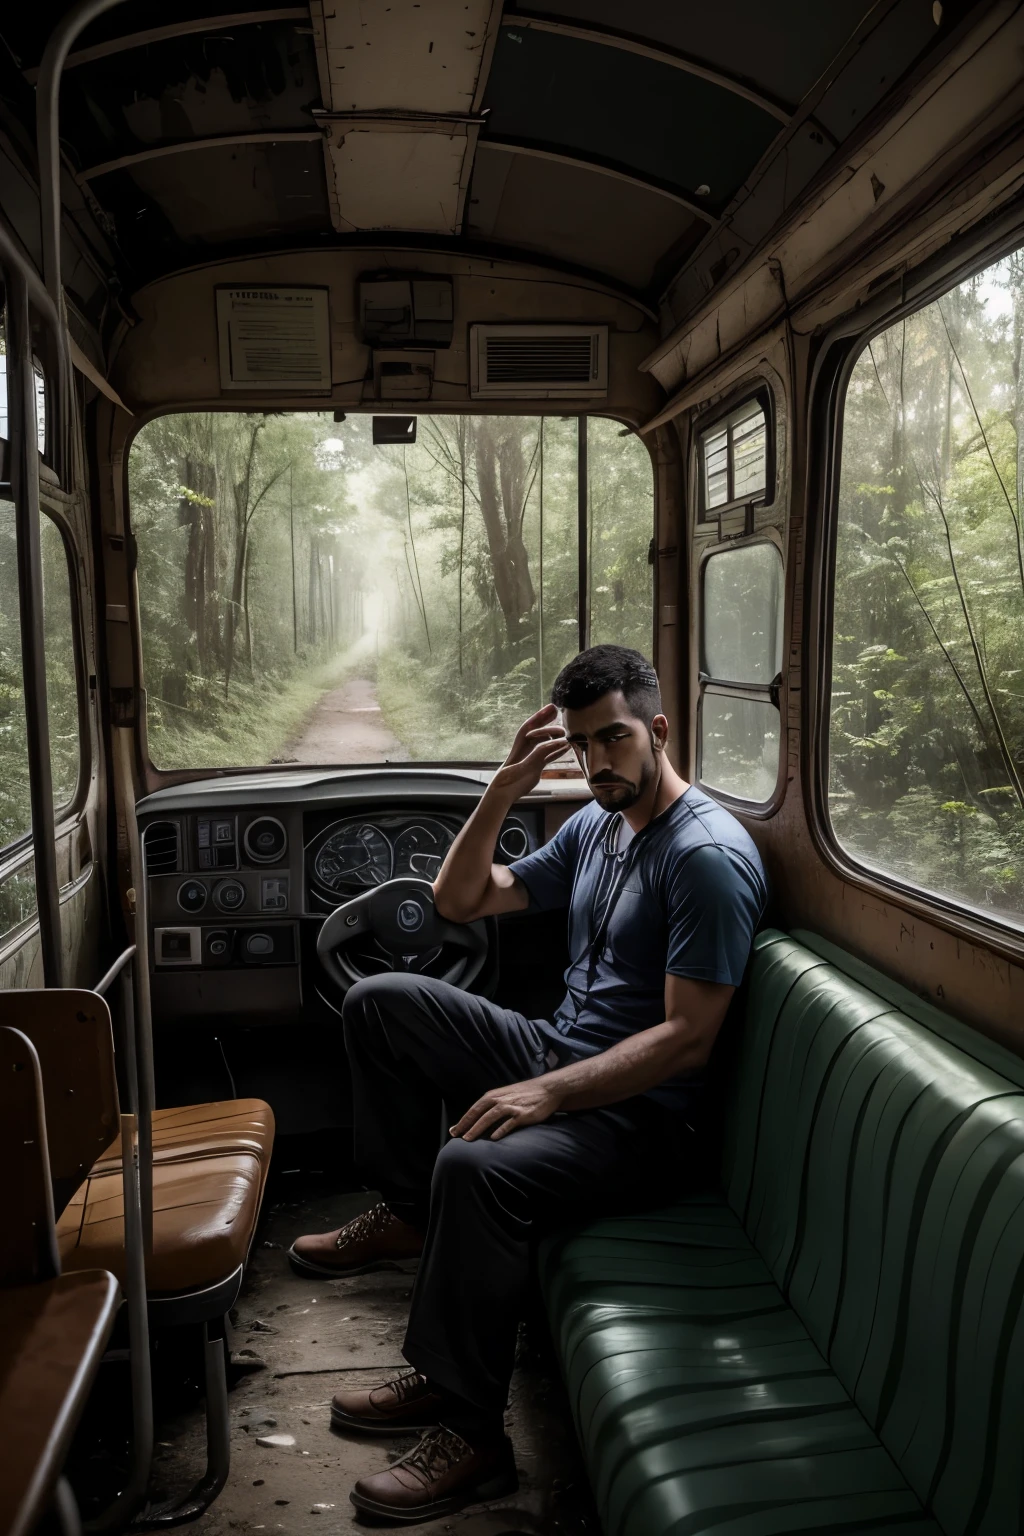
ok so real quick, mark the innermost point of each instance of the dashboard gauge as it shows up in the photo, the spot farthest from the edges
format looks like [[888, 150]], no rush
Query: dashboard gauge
[[356, 855], [420, 849]]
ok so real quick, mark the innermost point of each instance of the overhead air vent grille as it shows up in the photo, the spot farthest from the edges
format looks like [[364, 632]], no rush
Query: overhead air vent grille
[[545, 362], [162, 844]]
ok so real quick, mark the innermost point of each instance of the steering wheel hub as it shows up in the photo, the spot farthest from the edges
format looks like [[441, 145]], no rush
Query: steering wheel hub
[[400, 915]]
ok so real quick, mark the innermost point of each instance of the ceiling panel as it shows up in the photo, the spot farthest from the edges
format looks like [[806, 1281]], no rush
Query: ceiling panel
[[243, 79], [420, 57], [576, 216], [398, 181], [674, 128], [782, 47], [219, 196], [388, 60]]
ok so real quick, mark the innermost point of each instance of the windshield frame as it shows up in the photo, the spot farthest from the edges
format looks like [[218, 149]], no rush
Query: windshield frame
[[155, 777]]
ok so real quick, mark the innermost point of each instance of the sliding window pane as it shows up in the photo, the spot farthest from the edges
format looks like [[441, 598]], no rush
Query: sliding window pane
[[739, 746], [621, 526], [743, 614], [749, 439], [716, 469]]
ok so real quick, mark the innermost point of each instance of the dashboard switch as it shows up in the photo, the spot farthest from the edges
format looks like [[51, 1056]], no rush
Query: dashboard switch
[[192, 896], [229, 895], [274, 895], [259, 944], [176, 946]]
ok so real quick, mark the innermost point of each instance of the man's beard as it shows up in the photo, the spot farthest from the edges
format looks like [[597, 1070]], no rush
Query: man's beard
[[615, 794]]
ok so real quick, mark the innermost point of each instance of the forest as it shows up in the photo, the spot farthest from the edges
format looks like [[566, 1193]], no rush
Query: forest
[[17, 893], [282, 558], [927, 709]]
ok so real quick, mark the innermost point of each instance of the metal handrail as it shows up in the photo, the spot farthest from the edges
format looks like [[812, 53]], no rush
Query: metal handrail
[[51, 67], [107, 980]]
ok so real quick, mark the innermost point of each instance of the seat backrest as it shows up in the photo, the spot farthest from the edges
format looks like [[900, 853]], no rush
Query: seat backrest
[[72, 1033], [29, 1249], [878, 1166]]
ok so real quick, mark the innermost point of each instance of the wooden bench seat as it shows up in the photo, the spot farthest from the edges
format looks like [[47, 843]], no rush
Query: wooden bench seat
[[53, 1327], [52, 1336], [204, 1130], [204, 1216]]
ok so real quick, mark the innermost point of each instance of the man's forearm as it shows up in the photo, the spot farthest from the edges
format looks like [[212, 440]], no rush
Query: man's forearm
[[630, 1067], [465, 875]]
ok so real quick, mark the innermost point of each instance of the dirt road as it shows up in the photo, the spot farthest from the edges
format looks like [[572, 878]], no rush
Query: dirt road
[[346, 727]]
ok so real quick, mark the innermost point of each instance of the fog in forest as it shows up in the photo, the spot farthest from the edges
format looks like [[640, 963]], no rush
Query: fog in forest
[[308, 596]]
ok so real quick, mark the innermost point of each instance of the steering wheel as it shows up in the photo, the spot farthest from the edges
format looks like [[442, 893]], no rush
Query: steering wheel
[[401, 916]]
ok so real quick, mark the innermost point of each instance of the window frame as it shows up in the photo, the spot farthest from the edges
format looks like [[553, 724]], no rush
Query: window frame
[[66, 811], [840, 351], [154, 777], [723, 688], [15, 853], [707, 516]]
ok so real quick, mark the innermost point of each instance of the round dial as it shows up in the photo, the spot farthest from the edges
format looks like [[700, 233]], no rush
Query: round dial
[[192, 896], [229, 895], [357, 854], [420, 849]]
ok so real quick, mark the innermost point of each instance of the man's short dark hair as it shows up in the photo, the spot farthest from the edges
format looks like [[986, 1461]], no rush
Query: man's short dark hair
[[609, 669]]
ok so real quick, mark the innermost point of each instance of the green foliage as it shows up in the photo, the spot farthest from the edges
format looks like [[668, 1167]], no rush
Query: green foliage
[[278, 552], [61, 684], [927, 708]]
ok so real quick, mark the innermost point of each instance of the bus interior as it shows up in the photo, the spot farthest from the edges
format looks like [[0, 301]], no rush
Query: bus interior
[[707, 339]]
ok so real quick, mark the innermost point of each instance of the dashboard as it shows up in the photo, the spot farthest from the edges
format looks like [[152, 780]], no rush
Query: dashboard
[[242, 870], [356, 853]]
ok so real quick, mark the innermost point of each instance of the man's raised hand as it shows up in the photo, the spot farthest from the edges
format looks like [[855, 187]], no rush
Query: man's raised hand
[[539, 740]]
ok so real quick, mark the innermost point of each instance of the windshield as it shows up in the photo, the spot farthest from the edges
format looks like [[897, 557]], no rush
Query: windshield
[[307, 596]]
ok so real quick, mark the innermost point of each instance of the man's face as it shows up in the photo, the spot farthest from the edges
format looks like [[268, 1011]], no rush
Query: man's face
[[615, 750]]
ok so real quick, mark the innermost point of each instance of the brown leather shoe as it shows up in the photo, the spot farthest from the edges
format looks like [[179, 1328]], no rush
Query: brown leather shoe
[[375, 1240], [442, 1474], [394, 1408]]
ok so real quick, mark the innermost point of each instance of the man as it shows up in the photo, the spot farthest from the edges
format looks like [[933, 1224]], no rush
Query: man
[[550, 1120]]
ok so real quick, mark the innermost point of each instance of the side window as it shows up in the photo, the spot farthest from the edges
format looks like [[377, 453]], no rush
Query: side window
[[40, 383], [741, 658], [734, 460], [926, 718], [17, 885], [619, 530]]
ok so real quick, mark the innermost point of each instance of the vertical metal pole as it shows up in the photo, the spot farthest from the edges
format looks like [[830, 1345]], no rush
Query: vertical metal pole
[[51, 67], [582, 491], [291, 525], [48, 149], [540, 578], [118, 1514], [25, 485]]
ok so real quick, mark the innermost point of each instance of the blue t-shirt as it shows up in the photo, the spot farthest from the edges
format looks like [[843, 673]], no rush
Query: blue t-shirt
[[684, 897]]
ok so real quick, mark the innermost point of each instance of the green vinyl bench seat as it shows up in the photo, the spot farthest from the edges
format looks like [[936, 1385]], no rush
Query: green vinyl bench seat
[[835, 1342]]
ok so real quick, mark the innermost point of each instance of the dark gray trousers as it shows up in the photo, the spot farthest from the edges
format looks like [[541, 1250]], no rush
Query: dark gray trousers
[[414, 1043]]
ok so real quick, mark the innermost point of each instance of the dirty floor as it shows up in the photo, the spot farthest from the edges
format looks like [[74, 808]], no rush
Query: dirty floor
[[314, 1336]]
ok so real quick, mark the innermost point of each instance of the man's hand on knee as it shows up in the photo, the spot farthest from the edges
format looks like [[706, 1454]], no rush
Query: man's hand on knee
[[503, 1110]]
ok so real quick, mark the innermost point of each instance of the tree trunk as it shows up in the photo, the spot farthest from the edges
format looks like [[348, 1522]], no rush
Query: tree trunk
[[311, 594], [241, 489], [504, 488]]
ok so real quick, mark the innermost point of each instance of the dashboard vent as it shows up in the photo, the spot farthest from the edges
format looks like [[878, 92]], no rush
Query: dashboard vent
[[513, 840], [538, 361], [161, 842]]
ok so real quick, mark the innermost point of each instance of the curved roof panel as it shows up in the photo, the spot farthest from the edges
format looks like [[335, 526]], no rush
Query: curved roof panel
[[653, 144], [625, 110]]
